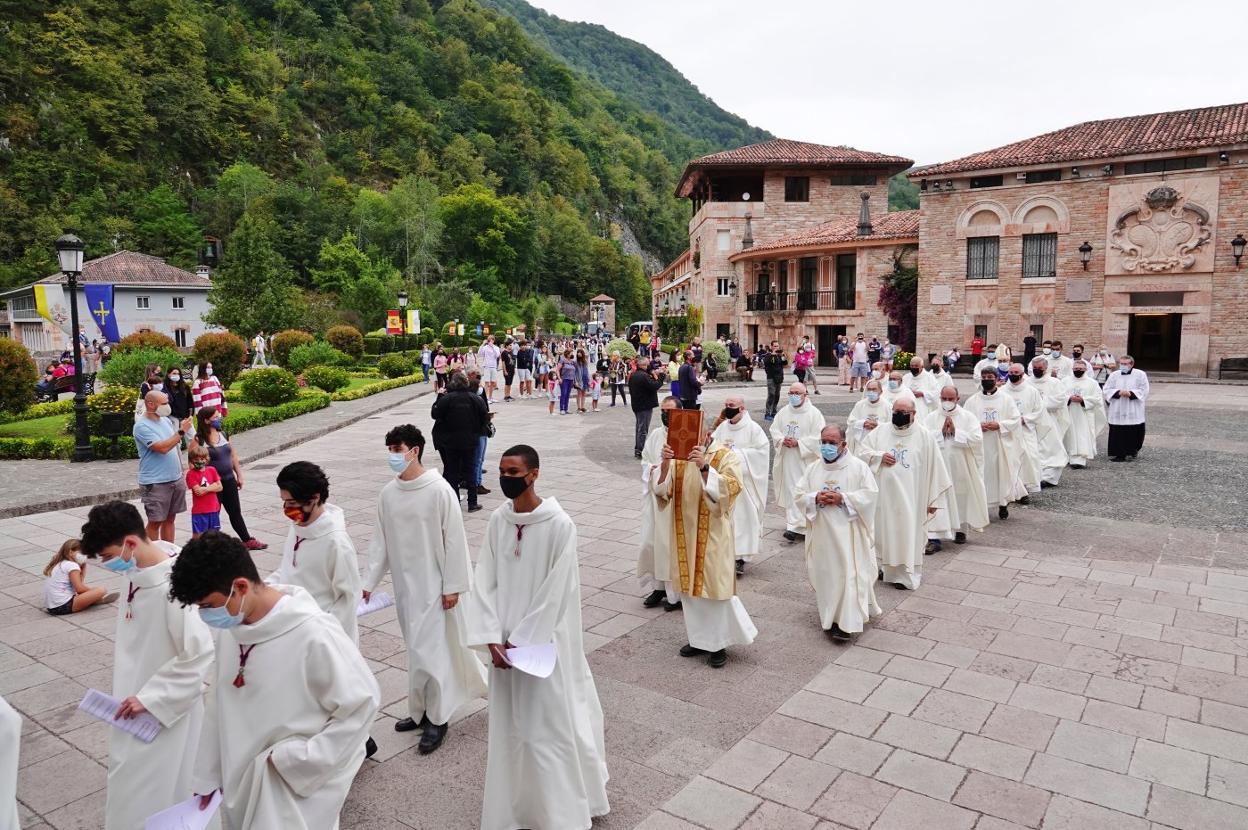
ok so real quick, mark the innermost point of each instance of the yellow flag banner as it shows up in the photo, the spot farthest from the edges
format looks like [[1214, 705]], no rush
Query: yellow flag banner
[[41, 303]]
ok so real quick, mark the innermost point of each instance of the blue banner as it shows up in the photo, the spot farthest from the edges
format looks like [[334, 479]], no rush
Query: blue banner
[[100, 307]]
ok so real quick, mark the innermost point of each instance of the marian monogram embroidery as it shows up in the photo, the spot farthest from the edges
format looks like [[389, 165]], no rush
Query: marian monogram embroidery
[[903, 456]]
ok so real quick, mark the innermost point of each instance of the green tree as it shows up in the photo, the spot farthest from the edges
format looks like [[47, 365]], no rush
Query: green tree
[[484, 230], [448, 300], [413, 204], [164, 227], [254, 289]]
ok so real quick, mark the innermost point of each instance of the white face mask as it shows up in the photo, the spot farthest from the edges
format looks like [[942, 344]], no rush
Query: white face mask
[[948, 406], [208, 372], [164, 410]]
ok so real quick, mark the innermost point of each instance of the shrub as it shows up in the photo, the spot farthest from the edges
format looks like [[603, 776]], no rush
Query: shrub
[[284, 342], [346, 339], [224, 350], [395, 365], [269, 387], [144, 340], [40, 410], [901, 361], [113, 399], [374, 343], [373, 388], [318, 353], [18, 376], [127, 369], [626, 350], [329, 378], [305, 403]]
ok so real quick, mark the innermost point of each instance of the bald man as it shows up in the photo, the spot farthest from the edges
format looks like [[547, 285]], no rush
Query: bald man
[[795, 437], [912, 478], [654, 556], [924, 386], [161, 483], [894, 390], [1054, 422], [868, 413], [736, 430], [961, 441]]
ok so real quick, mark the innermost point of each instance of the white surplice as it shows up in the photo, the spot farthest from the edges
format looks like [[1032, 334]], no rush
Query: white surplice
[[926, 383], [908, 488], [163, 655], [419, 539], [1003, 449], [753, 450], [1087, 420], [653, 554], [284, 746], [1052, 427], [1031, 409], [547, 764], [10, 742], [321, 559], [803, 425], [1126, 411], [840, 550], [856, 424], [966, 504]]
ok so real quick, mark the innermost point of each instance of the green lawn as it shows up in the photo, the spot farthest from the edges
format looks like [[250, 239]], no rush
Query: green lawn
[[52, 426]]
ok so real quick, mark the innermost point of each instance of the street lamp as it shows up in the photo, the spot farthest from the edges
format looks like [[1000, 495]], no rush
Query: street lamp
[[403, 318], [1237, 247], [1085, 254], [69, 250]]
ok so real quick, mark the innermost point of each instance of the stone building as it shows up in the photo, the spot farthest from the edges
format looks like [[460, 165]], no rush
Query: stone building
[[1124, 232], [790, 210]]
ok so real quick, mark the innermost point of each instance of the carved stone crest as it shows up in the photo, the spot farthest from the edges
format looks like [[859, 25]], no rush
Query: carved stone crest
[[1163, 232]]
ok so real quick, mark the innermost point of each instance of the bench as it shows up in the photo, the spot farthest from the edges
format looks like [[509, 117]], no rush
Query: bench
[[65, 384], [1233, 368]]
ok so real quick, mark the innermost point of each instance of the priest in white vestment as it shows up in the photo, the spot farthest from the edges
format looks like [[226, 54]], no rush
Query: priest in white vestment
[[838, 494], [868, 413], [419, 539], [924, 386], [895, 389], [1003, 449], [795, 437], [653, 552], [1031, 409], [961, 441], [1053, 424], [10, 742], [1086, 408], [162, 657], [547, 763], [940, 373], [291, 698], [695, 504], [745, 438], [912, 479], [1125, 392]]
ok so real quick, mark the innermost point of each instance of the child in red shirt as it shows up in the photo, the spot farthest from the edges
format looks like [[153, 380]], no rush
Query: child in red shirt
[[204, 482]]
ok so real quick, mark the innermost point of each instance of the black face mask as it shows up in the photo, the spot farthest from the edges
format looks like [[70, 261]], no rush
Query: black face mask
[[1079, 374], [731, 412], [512, 486], [1077, 353], [936, 368], [914, 370], [901, 419], [989, 385], [663, 417], [1016, 378], [1037, 371]]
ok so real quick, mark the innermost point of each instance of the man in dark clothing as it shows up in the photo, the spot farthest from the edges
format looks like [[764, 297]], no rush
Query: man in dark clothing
[[459, 419], [1029, 348], [773, 366], [644, 385], [687, 377]]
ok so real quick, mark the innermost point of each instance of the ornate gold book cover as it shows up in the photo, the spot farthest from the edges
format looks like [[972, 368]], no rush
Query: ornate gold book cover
[[684, 431]]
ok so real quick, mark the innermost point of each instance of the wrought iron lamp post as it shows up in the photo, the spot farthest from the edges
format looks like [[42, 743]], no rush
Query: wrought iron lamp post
[[69, 249], [403, 319]]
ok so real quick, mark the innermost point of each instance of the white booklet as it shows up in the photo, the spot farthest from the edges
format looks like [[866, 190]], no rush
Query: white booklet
[[538, 661], [185, 815], [376, 602], [145, 727]]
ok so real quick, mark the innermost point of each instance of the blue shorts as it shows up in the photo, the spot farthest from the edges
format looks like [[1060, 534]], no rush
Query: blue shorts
[[202, 522]]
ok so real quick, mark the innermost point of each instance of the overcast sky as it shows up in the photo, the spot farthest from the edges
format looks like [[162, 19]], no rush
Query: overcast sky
[[935, 80]]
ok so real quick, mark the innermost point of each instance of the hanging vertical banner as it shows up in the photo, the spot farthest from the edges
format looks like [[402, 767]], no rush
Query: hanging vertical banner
[[413, 321], [394, 322], [99, 298]]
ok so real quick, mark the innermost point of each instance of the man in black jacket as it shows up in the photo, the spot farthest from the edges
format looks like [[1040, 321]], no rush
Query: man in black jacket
[[773, 366], [687, 377], [644, 386], [459, 418]]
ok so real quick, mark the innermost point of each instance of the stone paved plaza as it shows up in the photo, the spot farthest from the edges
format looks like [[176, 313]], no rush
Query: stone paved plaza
[[1082, 665]]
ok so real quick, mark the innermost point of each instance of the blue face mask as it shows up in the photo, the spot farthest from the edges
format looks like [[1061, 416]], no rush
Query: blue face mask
[[118, 565], [215, 423], [795, 401], [893, 385], [1126, 370], [829, 452], [873, 396], [220, 617], [398, 461]]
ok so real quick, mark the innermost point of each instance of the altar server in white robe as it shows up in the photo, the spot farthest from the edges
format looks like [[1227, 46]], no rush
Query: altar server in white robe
[[319, 555], [838, 494], [162, 657], [868, 413], [740, 433], [795, 437], [912, 478], [419, 539], [961, 441], [653, 554], [546, 765], [1087, 416], [924, 386], [10, 742], [1031, 409], [1053, 424], [1126, 392], [1003, 451], [291, 699]]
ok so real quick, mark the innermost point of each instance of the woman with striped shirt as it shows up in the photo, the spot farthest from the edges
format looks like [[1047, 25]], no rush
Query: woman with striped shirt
[[207, 390]]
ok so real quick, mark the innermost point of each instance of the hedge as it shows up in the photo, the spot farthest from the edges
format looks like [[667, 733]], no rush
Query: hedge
[[374, 388], [40, 410], [305, 403]]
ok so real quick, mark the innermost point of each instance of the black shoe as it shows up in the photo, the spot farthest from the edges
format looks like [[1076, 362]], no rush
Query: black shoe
[[839, 634], [636, 454], [654, 599], [740, 567], [473, 508], [1025, 500], [408, 725], [901, 587], [482, 490], [431, 738], [1003, 512], [1044, 485], [370, 749], [959, 538], [933, 546], [672, 606], [1118, 458], [689, 651], [717, 659]]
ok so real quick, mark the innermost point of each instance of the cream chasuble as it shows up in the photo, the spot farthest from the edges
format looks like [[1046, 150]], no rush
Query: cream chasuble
[[1031, 409], [967, 503], [547, 765], [790, 463], [840, 552], [1087, 420], [1003, 449], [653, 553], [907, 489], [1052, 427], [321, 559], [750, 444], [285, 745], [863, 412], [163, 654], [10, 741], [419, 539]]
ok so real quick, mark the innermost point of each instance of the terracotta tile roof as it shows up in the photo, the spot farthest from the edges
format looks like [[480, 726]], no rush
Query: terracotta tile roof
[[900, 224], [1159, 132], [783, 152], [602, 298], [131, 268]]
